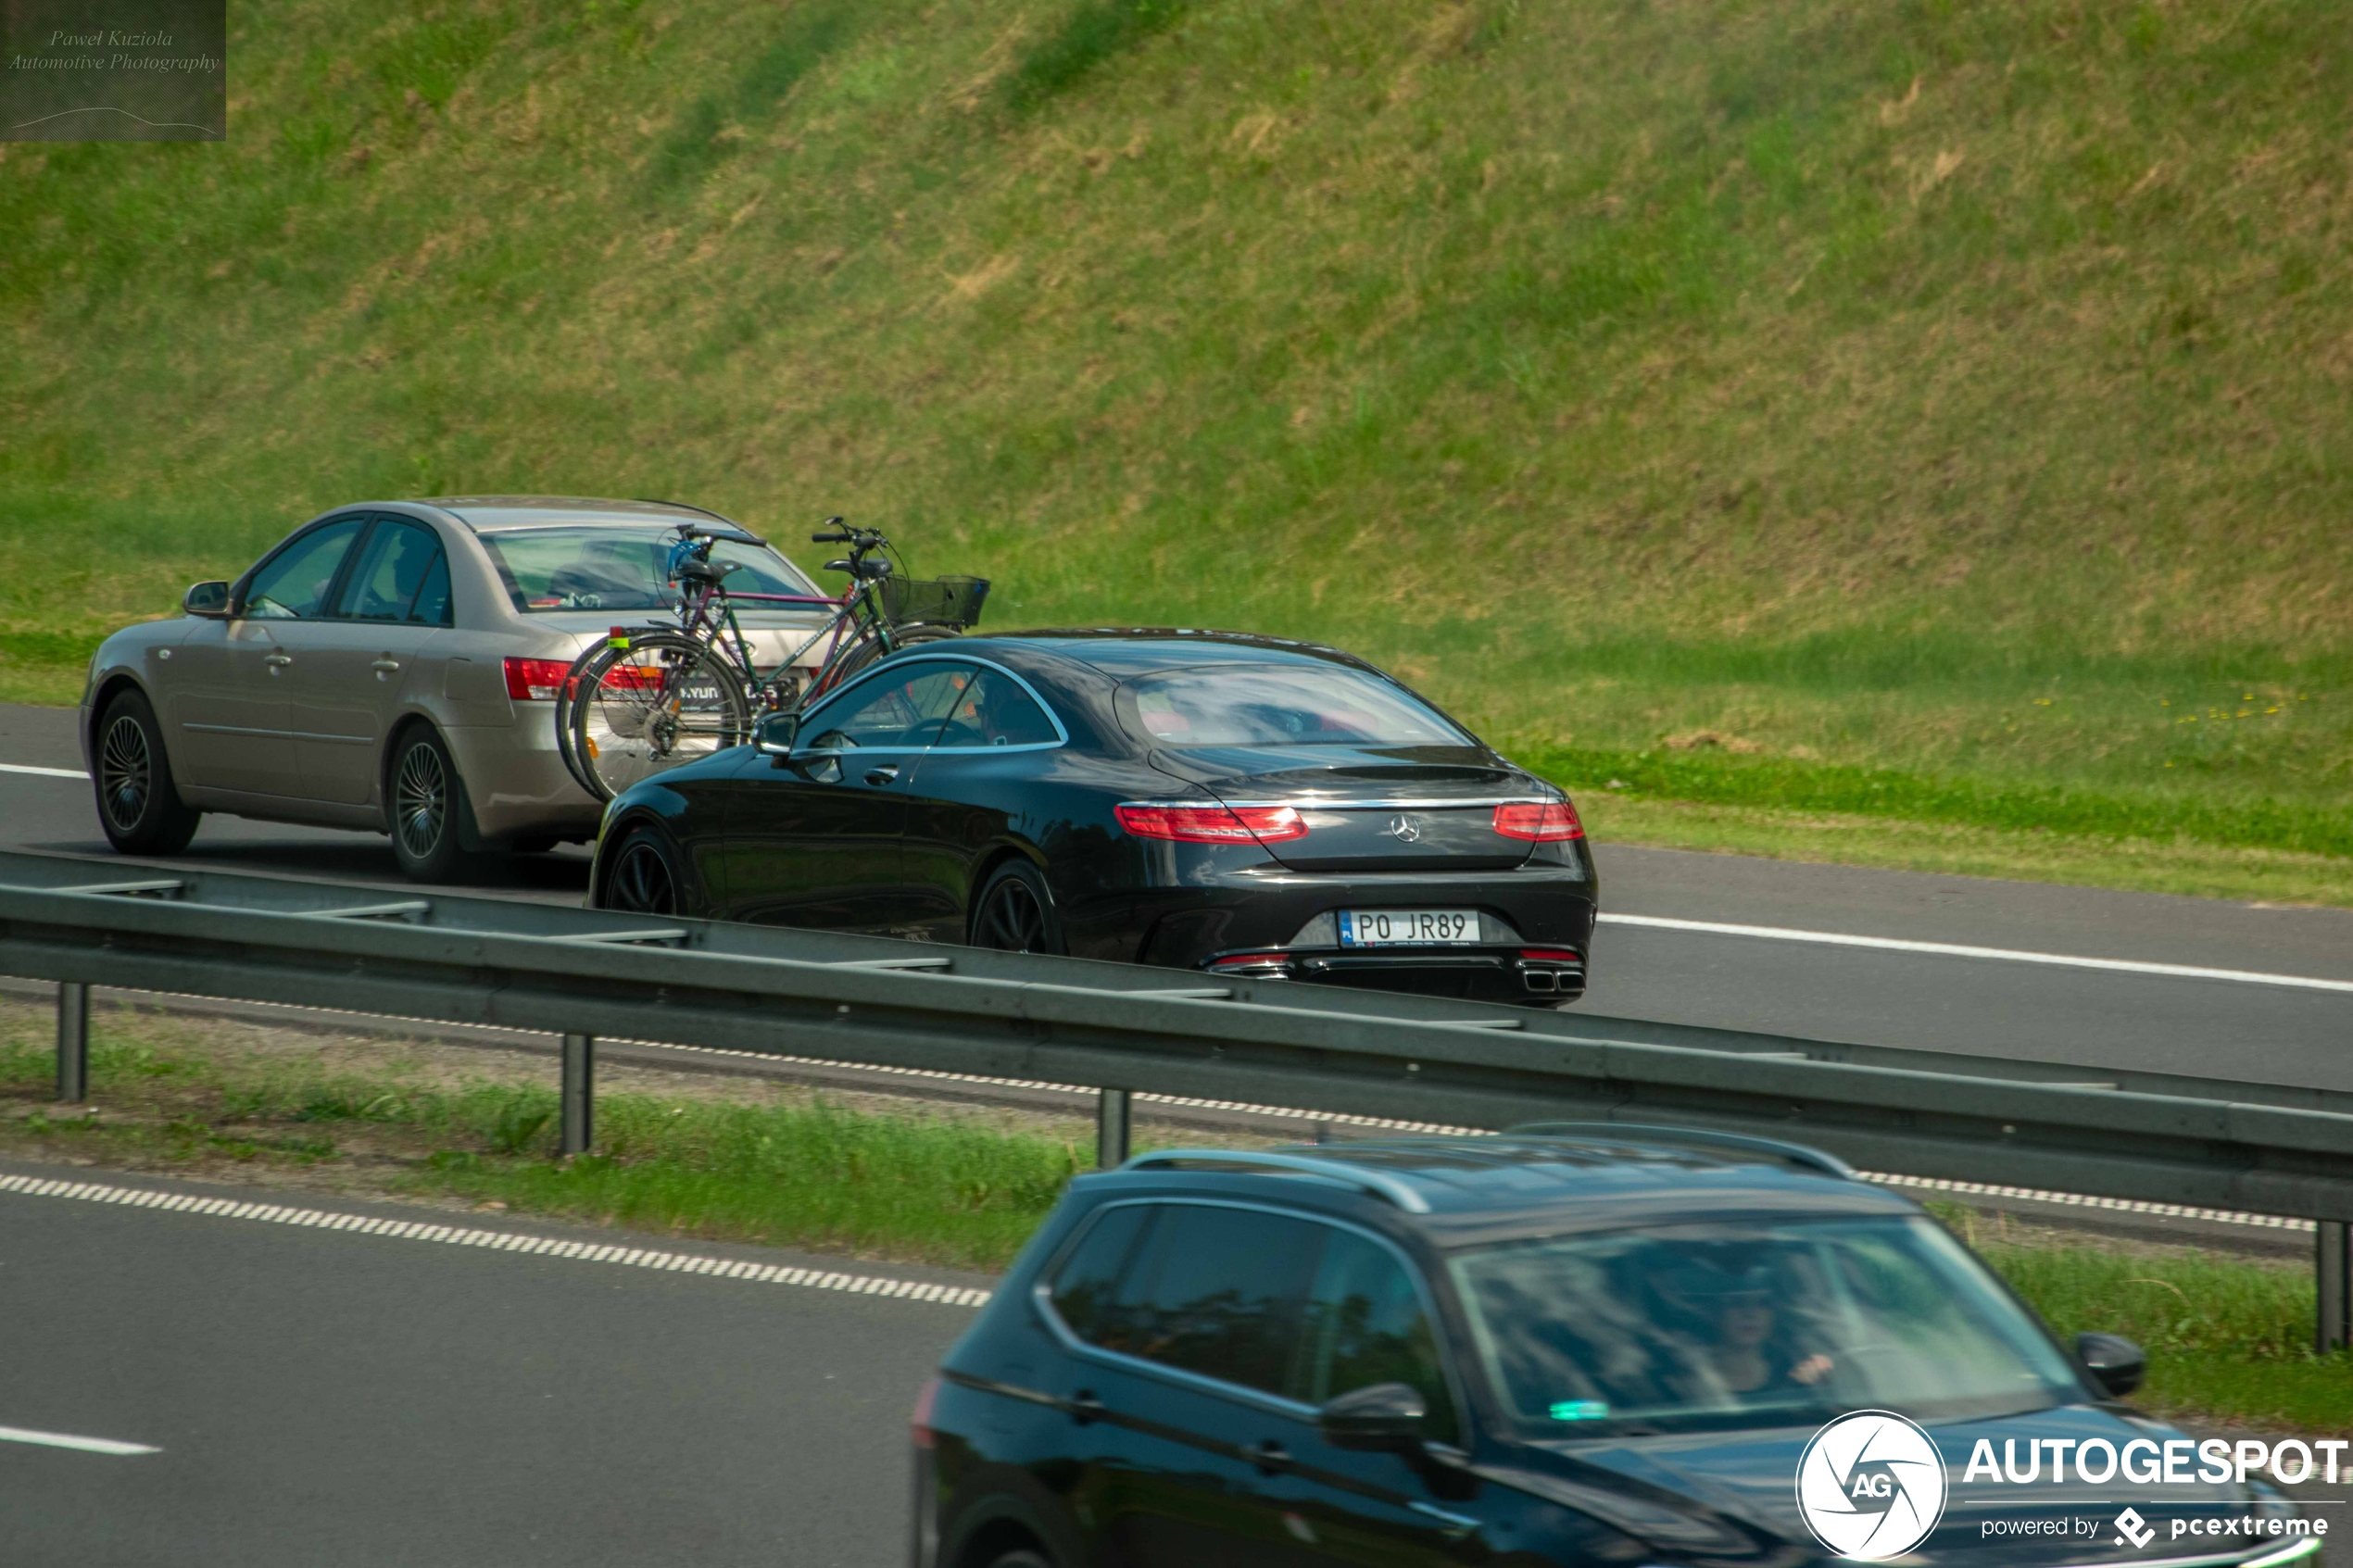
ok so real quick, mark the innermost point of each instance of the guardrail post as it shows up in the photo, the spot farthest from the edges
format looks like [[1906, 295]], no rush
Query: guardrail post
[[2332, 1329], [1110, 1128], [74, 1041], [579, 1092]]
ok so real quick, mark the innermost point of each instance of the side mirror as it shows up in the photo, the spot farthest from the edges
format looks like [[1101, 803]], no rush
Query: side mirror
[[2114, 1361], [773, 735], [207, 599], [1380, 1416]]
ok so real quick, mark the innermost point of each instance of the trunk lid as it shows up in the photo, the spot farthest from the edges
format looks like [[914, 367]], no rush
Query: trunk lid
[[1389, 809]]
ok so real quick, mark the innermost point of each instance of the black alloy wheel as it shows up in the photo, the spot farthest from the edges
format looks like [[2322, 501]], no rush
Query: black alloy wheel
[[642, 882], [138, 804], [1016, 913], [428, 801]]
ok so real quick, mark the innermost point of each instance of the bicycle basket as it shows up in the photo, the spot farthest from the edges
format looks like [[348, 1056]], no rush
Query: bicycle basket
[[933, 601]]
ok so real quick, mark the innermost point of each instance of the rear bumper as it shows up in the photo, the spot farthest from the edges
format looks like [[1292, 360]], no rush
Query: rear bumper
[[516, 783], [1538, 926]]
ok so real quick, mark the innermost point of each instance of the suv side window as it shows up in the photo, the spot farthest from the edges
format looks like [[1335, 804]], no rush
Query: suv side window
[[1211, 1290], [1364, 1323]]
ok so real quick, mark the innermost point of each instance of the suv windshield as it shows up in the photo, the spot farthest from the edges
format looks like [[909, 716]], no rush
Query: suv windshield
[[601, 567], [1756, 1324], [1269, 705]]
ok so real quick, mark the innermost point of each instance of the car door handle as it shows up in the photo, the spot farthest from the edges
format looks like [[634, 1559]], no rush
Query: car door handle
[[1085, 1409], [278, 658], [384, 666], [882, 774], [1270, 1457]]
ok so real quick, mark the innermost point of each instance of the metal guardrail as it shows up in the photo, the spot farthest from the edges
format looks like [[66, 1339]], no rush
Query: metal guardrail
[[1123, 1028]]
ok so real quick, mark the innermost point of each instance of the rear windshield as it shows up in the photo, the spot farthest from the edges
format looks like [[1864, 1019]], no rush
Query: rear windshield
[[1269, 705], [603, 567]]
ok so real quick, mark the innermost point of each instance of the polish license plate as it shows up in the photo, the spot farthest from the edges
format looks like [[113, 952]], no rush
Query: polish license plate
[[1420, 928]]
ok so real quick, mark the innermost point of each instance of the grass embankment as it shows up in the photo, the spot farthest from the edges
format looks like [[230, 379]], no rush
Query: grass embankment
[[732, 1159], [1958, 391]]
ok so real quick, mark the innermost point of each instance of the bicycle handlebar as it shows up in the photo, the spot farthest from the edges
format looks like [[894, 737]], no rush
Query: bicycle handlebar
[[838, 536]]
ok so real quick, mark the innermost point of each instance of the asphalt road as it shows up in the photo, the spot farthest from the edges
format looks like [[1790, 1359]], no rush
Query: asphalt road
[[2085, 1017], [328, 1397]]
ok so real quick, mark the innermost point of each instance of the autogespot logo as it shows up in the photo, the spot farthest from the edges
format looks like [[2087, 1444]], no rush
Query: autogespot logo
[[1870, 1486]]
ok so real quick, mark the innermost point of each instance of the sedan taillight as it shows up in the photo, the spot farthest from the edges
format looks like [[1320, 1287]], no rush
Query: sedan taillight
[[1538, 822], [1213, 824], [535, 680]]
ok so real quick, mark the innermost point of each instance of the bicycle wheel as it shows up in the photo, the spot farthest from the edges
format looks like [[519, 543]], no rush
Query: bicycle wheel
[[864, 651], [663, 700], [567, 697]]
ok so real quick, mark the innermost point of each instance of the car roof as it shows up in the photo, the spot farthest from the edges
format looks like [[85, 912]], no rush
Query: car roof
[[1469, 1188], [492, 514], [1121, 652]]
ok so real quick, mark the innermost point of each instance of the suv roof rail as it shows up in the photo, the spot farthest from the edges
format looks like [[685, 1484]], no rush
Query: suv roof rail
[[1796, 1153], [1380, 1184]]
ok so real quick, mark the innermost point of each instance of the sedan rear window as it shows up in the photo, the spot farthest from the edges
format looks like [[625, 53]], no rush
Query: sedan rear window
[[1750, 1326], [1271, 705], [602, 567]]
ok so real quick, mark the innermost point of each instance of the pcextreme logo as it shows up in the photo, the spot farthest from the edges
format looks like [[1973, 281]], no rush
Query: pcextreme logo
[[1870, 1486]]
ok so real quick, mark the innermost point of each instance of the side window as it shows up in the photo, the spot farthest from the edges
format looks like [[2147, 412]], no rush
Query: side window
[[1085, 1286], [994, 710], [898, 710], [1365, 1324], [1214, 1291], [400, 562], [292, 584]]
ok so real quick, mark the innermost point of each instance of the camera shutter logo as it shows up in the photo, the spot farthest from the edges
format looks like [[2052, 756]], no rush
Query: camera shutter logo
[[1870, 1486]]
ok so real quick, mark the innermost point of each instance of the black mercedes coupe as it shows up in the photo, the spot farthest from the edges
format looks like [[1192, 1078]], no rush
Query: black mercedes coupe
[[1207, 800]]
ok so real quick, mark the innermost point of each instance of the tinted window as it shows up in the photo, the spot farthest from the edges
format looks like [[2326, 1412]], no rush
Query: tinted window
[[994, 710], [1086, 1284], [899, 709], [1217, 1292], [1365, 1324], [1260, 705], [1748, 1325], [292, 584], [432, 607], [397, 566], [609, 566]]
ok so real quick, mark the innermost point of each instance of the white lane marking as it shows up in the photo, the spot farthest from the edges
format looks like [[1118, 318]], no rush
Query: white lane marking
[[1955, 950], [44, 772], [497, 1241], [68, 1440]]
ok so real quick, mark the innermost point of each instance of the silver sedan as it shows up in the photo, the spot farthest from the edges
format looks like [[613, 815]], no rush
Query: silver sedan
[[392, 667]]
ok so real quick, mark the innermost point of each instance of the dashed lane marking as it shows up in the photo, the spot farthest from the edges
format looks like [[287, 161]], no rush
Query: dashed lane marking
[[497, 1241], [68, 1440], [44, 772], [1958, 950]]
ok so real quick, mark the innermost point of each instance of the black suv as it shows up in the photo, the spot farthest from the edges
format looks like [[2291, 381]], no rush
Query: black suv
[[1568, 1344]]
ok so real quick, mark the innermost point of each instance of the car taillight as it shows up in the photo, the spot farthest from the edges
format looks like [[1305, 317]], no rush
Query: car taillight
[[1213, 824], [1552, 954], [1538, 822], [919, 1424], [535, 680]]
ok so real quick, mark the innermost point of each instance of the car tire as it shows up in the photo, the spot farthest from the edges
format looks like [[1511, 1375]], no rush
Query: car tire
[[644, 878], [427, 810], [138, 804], [1016, 912]]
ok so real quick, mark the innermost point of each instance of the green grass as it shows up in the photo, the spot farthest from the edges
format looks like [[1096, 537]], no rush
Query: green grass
[[1944, 407]]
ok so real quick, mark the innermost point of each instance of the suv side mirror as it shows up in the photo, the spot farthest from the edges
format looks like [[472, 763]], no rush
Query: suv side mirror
[[207, 599], [1379, 1417], [774, 733], [2114, 1361]]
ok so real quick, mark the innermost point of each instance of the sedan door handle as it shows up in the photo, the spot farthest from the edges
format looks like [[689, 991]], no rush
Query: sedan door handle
[[385, 666], [279, 658], [883, 773], [1085, 1409]]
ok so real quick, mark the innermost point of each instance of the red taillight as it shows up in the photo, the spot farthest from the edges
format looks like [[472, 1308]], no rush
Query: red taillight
[[1538, 822], [919, 1423], [1552, 954], [535, 680], [1213, 824]]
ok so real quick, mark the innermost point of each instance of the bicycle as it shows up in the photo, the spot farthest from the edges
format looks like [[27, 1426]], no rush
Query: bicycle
[[647, 699]]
